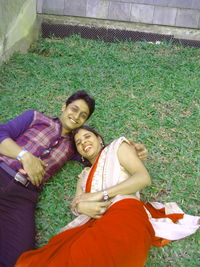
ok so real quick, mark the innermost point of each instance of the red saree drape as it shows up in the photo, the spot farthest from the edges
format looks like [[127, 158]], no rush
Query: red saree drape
[[120, 238]]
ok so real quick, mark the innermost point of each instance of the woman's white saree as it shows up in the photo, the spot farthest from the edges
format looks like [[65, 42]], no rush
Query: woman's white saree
[[108, 174]]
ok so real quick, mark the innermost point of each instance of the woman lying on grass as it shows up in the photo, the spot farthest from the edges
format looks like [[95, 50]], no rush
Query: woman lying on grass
[[113, 227]]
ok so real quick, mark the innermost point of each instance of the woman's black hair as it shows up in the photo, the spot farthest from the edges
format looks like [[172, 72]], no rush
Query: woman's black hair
[[84, 96]]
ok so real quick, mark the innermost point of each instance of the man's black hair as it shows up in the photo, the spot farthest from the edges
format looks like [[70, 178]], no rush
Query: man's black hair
[[84, 96]]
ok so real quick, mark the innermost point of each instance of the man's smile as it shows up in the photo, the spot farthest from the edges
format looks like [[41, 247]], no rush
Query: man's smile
[[73, 121]]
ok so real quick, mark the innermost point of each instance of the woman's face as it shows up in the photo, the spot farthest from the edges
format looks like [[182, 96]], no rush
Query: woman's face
[[88, 144], [74, 115]]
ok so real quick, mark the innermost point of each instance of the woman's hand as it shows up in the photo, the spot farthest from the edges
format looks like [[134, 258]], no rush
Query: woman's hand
[[93, 209], [98, 196]]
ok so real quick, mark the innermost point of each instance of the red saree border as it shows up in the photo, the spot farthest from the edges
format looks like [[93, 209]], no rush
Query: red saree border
[[91, 174]]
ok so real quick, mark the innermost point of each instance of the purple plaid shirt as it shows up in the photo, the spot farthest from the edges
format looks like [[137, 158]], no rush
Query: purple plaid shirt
[[40, 135]]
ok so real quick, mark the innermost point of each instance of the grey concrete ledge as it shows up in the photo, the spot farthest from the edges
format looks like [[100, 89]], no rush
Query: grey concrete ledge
[[177, 32]]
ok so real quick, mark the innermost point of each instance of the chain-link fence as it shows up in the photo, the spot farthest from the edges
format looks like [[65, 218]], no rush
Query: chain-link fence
[[109, 35]]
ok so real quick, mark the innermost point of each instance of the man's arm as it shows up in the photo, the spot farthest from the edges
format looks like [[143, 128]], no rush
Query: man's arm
[[9, 131], [15, 127], [140, 149]]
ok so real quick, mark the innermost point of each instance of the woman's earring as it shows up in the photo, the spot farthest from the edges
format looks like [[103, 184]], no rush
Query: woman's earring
[[102, 144], [82, 158]]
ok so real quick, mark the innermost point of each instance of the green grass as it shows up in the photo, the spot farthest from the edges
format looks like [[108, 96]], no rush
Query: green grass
[[144, 91]]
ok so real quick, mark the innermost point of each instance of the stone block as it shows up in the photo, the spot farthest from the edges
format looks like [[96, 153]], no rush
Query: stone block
[[164, 15], [162, 2], [142, 13], [39, 6], [188, 18], [196, 4], [191, 4], [75, 7], [97, 9], [148, 2], [119, 11], [53, 7], [180, 3]]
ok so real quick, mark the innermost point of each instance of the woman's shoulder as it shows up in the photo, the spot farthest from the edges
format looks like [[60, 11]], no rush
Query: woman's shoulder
[[114, 146], [119, 141]]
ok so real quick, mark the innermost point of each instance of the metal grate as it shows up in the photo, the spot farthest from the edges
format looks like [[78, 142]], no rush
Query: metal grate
[[109, 35], [193, 43]]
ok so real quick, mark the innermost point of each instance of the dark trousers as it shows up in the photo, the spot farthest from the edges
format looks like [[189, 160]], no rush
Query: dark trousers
[[17, 219]]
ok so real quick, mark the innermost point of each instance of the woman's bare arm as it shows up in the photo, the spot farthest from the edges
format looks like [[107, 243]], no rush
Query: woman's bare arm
[[132, 164]]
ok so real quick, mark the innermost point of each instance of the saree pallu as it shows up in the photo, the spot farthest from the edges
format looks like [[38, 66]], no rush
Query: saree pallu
[[120, 238]]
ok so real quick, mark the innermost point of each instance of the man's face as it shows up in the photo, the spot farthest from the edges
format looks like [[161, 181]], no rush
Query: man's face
[[74, 115]]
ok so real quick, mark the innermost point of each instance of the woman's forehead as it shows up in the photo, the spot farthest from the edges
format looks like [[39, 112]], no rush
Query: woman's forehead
[[81, 132]]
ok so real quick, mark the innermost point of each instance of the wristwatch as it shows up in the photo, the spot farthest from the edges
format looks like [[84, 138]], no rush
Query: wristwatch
[[105, 195]]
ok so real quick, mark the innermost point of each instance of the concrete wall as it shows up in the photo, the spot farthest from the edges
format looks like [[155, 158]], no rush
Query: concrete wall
[[18, 26], [177, 13]]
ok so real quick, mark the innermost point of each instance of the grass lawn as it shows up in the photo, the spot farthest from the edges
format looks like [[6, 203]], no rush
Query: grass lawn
[[144, 91]]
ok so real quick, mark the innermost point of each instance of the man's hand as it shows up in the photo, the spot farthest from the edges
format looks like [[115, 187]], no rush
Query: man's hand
[[141, 150], [34, 167]]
